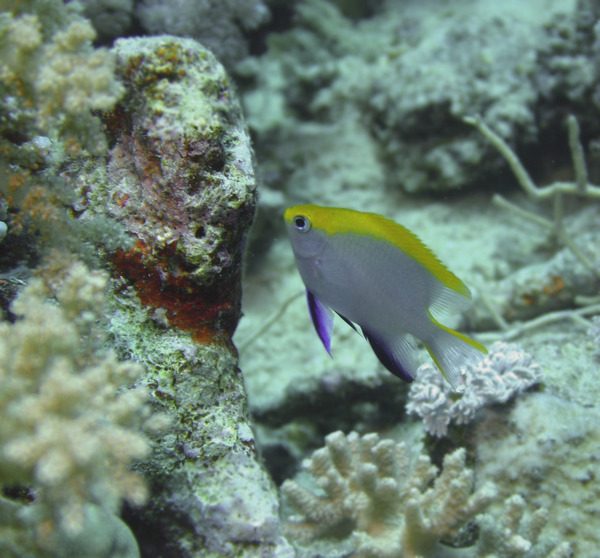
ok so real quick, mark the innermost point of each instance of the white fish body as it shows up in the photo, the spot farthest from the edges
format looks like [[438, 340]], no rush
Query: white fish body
[[378, 275]]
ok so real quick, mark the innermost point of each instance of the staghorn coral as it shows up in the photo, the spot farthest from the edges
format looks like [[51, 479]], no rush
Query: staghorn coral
[[68, 430], [504, 372], [394, 507]]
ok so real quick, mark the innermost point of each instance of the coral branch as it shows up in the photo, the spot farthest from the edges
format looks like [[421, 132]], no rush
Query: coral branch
[[374, 488]]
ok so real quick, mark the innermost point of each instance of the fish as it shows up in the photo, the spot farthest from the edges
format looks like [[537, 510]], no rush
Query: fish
[[379, 277]]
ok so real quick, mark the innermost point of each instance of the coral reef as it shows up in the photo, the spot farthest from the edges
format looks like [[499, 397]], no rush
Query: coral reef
[[545, 449], [329, 86], [136, 159], [349, 110], [504, 372], [393, 505], [166, 209], [68, 432]]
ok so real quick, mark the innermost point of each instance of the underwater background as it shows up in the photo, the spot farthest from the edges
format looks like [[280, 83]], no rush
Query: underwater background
[[163, 392]]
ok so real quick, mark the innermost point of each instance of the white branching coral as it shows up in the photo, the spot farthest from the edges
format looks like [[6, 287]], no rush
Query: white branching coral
[[387, 504], [504, 372], [517, 533], [69, 430], [395, 506]]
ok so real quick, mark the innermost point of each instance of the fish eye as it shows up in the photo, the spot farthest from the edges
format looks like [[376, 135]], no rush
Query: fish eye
[[301, 223]]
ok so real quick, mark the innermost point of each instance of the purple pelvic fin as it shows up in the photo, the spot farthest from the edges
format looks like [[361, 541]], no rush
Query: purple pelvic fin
[[322, 318]]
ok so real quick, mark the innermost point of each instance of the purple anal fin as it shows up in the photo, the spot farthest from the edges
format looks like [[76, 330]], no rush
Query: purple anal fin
[[322, 318], [385, 355]]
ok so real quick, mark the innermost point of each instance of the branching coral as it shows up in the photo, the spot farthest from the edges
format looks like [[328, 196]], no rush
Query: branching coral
[[392, 506], [518, 534], [503, 373], [395, 507], [51, 80], [68, 432], [51, 74]]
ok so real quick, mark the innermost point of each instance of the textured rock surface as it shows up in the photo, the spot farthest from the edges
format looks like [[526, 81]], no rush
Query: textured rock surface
[[180, 180]]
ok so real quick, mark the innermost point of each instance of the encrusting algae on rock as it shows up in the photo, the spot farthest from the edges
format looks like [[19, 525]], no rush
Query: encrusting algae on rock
[[180, 180]]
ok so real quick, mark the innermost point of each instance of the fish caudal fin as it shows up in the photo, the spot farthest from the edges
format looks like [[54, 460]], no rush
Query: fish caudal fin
[[452, 351], [398, 355]]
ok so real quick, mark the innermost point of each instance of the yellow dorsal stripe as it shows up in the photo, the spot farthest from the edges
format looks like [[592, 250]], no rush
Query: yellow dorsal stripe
[[336, 220]]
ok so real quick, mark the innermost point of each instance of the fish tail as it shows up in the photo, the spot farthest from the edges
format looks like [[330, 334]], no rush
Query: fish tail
[[452, 351]]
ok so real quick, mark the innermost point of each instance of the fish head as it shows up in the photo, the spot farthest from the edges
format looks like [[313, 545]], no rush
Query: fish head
[[307, 240]]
